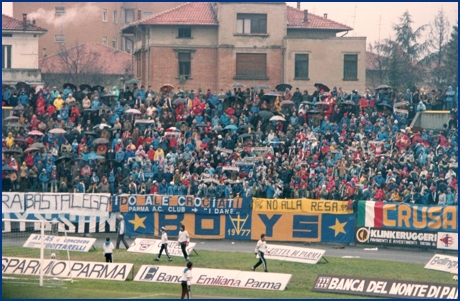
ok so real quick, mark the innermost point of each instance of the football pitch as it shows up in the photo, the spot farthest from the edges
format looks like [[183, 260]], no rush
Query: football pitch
[[299, 287]]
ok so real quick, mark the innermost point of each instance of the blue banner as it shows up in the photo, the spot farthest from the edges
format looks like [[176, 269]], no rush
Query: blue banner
[[338, 228], [238, 226], [138, 223]]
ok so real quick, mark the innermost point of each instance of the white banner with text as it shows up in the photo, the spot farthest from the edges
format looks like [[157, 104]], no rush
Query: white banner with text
[[153, 246], [63, 268], [295, 254], [215, 277], [80, 244], [444, 263]]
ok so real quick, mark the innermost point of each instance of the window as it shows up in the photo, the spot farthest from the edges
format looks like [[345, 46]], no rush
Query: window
[[6, 56], [115, 43], [184, 33], [301, 66], [104, 40], [350, 67], [251, 23], [185, 59], [59, 10], [115, 16], [7, 35], [59, 38], [129, 45], [104, 15], [251, 65], [146, 14], [129, 16]]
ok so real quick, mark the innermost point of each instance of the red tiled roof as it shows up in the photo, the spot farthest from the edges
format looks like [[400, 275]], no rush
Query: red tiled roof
[[9, 23], [295, 20], [190, 13], [91, 56]]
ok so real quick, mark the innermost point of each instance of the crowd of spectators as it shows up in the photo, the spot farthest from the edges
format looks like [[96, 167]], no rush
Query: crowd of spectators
[[325, 145]]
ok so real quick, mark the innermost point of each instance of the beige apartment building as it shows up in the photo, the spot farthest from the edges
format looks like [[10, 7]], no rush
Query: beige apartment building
[[73, 23], [213, 45]]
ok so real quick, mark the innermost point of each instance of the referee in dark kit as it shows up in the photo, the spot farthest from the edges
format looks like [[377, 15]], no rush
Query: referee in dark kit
[[164, 244], [261, 249]]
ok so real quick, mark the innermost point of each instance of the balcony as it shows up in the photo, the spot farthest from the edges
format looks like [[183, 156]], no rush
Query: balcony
[[30, 76]]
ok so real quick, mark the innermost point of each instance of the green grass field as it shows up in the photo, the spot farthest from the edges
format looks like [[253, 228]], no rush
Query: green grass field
[[303, 277]]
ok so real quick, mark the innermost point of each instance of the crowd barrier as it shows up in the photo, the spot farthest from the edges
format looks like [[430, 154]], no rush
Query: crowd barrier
[[302, 220]]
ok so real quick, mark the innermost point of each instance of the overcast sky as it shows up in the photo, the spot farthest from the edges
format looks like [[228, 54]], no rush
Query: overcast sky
[[369, 19]]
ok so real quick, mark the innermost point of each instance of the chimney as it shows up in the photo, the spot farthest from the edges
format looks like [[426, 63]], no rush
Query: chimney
[[305, 15], [325, 16], [139, 14], [298, 5], [24, 21]]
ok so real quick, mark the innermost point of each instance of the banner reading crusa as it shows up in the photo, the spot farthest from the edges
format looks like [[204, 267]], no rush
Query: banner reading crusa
[[301, 206]]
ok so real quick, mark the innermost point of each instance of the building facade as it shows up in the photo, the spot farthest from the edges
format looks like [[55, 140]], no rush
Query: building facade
[[20, 51], [73, 23], [213, 45]]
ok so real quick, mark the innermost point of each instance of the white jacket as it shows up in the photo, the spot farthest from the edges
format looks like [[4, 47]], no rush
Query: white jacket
[[107, 248]]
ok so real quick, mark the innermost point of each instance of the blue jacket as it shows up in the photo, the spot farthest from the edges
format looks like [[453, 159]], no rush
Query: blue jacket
[[44, 177]]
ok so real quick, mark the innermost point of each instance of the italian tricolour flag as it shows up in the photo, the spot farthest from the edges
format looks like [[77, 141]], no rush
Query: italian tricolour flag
[[370, 214]]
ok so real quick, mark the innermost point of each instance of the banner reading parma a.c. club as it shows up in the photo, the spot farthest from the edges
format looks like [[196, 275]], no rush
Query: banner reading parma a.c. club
[[380, 215]]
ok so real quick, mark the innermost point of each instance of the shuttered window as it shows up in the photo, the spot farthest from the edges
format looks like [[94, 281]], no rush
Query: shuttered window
[[184, 63], [251, 65], [350, 67]]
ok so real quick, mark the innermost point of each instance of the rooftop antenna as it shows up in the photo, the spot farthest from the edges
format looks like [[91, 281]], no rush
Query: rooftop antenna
[[380, 23], [354, 18]]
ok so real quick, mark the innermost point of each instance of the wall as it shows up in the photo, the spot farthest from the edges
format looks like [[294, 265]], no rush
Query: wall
[[326, 62], [31, 76], [24, 50], [433, 120]]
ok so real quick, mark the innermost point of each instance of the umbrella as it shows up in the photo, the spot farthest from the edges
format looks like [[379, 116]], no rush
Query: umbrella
[[89, 110], [201, 125], [287, 103], [109, 95], [80, 161], [313, 112], [238, 85], [96, 88], [349, 103], [245, 135], [179, 101], [100, 141], [277, 118], [222, 96], [64, 159], [217, 128], [384, 104], [35, 133], [22, 85], [11, 118], [322, 87], [18, 108], [12, 151], [38, 145], [85, 87], [92, 156], [272, 94], [211, 180], [7, 168], [58, 131], [234, 97], [144, 121], [72, 86], [101, 126], [263, 87], [282, 87], [114, 162], [381, 87], [265, 114], [307, 103], [231, 127], [90, 133], [168, 87], [133, 81], [322, 103], [172, 129], [133, 111], [245, 126], [20, 140], [14, 125]]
